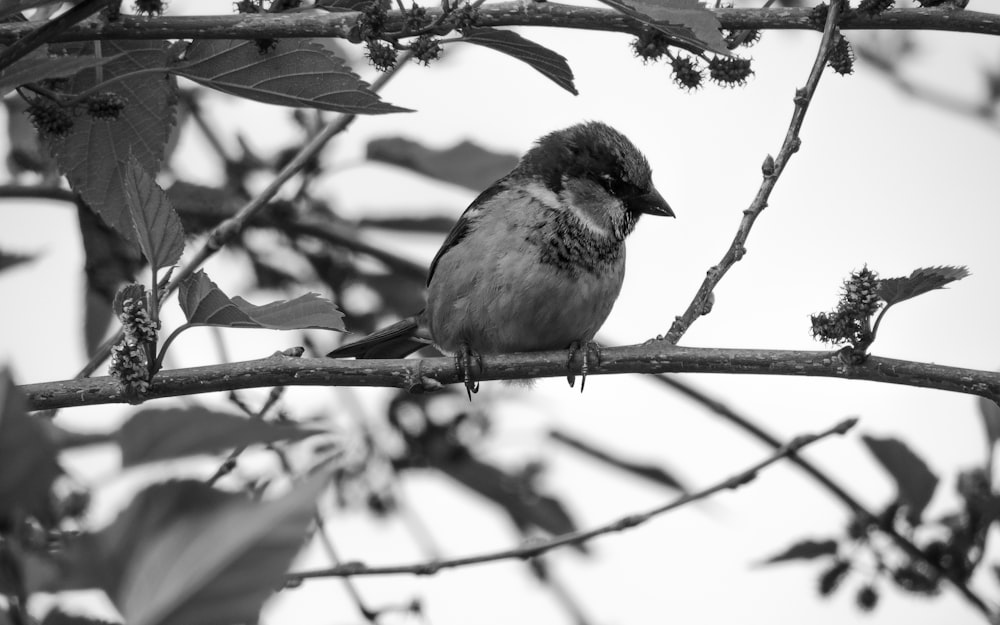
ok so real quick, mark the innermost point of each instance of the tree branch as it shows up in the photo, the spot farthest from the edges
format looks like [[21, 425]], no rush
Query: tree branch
[[536, 548], [418, 375], [701, 303], [517, 13]]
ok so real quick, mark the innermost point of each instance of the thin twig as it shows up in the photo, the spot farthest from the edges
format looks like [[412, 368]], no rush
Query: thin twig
[[427, 373], [701, 303], [859, 510], [230, 228], [535, 548]]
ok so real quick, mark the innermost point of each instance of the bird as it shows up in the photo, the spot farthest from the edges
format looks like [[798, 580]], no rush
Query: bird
[[537, 260]]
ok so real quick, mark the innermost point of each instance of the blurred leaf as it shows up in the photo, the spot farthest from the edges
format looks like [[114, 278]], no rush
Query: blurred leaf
[[441, 224], [109, 262], [12, 260], [87, 154], [37, 65], [915, 483], [157, 226], [525, 507], [10, 7], [895, 290], [28, 464], [204, 303], [211, 557], [161, 433], [649, 472], [58, 617], [465, 164], [687, 22], [551, 64], [201, 208], [805, 550], [990, 412], [297, 73]]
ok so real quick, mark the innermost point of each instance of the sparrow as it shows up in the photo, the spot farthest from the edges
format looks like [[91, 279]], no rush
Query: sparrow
[[536, 262]]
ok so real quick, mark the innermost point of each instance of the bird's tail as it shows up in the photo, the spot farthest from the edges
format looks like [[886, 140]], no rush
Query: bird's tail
[[396, 341]]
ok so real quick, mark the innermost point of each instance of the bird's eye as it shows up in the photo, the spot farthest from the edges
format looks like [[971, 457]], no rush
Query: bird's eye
[[616, 186]]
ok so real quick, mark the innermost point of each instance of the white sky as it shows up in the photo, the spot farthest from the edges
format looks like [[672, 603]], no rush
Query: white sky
[[880, 179]]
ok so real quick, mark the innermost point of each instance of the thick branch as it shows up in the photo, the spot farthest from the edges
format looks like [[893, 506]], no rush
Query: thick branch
[[423, 374], [318, 24]]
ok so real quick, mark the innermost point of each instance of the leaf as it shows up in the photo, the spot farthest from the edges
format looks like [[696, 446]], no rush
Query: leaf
[[109, 262], [915, 483], [161, 433], [8, 260], [10, 7], [91, 154], [58, 617], [38, 65], [298, 72], [28, 465], [805, 550], [649, 472], [210, 557], [552, 65], [895, 290], [204, 303], [687, 22], [157, 226], [465, 164], [990, 412], [199, 207]]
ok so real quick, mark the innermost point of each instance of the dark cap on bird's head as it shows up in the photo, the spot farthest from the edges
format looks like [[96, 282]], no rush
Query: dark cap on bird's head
[[596, 151]]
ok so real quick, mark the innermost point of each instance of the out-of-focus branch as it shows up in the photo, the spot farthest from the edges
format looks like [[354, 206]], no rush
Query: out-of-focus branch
[[417, 375], [537, 548], [863, 513]]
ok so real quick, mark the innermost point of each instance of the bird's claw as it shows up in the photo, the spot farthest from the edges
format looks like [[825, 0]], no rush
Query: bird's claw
[[586, 348], [463, 364]]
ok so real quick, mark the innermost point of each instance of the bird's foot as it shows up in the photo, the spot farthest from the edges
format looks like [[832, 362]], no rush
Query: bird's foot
[[463, 364], [591, 353]]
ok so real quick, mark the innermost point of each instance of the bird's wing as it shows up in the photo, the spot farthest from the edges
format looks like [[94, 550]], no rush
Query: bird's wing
[[396, 341], [463, 226]]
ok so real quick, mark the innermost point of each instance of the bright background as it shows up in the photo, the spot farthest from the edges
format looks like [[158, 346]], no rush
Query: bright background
[[881, 179]]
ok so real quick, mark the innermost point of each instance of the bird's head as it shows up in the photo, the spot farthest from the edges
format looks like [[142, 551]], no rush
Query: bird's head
[[593, 161]]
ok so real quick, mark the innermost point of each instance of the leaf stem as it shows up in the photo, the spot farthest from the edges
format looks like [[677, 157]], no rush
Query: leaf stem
[[170, 339]]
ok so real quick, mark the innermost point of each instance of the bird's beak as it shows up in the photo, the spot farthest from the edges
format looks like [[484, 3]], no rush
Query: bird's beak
[[651, 203]]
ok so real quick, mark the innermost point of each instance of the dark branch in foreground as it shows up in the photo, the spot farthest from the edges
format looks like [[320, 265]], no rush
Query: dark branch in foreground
[[536, 548], [318, 24], [418, 375]]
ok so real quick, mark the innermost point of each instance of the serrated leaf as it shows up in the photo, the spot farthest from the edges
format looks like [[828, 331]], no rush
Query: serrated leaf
[[688, 22], [990, 412], [915, 482], [551, 64], [805, 550], [37, 65], [895, 290], [298, 72], [8, 260], [465, 164], [162, 433], [213, 557], [28, 464], [92, 153], [157, 226], [204, 303]]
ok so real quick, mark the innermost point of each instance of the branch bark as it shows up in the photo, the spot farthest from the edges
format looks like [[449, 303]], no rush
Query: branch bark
[[417, 375], [517, 13]]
